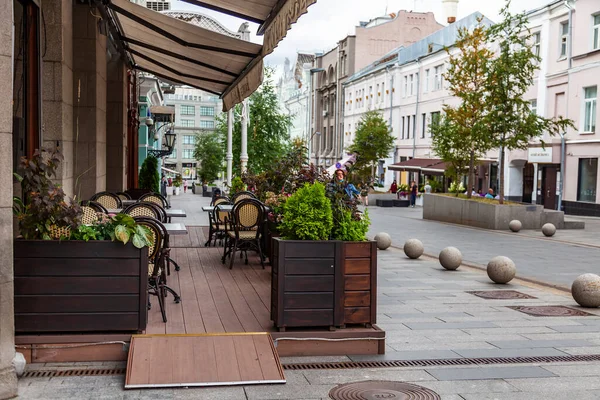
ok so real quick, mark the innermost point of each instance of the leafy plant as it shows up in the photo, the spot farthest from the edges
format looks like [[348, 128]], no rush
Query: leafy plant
[[456, 187], [178, 181], [210, 154], [307, 214], [119, 227], [85, 232], [44, 207], [149, 177], [351, 228], [237, 185]]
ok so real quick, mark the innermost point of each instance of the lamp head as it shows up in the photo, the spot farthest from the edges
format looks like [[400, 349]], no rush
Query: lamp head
[[149, 121]]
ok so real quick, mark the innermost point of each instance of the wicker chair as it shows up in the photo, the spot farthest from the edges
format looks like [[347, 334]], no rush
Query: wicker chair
[[107, 199], [144, 209], [244, 230], [217, 220], [89, 215], [242, 195], [220, 200], [155, 198], [123, 196]]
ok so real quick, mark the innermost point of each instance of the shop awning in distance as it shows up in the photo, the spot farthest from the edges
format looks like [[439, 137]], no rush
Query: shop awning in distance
[[414, 164], [187, 54]]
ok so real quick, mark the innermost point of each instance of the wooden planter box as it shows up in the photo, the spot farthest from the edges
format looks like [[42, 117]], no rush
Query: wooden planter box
[[323, 283], [76, 286]]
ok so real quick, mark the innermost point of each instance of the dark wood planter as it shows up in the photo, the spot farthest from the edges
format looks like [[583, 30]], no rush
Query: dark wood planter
[[323, 283], [359, 269], [76, 286]]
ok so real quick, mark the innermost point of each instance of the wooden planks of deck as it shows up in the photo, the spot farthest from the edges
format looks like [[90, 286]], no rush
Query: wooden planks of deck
[[202, 360]]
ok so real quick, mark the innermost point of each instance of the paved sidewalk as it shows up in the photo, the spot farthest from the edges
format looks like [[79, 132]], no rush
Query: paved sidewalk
[[557, 260], [427, 314]]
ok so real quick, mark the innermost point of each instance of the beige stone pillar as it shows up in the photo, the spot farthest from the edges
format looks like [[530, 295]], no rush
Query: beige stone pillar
[[89, 103], [116, 125], [8, 379]]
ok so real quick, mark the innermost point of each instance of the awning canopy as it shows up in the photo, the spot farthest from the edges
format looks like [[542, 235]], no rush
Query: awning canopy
[[162, 110], [414, 164], [184, 53], [170, 170]]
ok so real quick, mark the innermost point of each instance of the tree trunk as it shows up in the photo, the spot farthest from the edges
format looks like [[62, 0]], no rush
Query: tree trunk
[[501, 184], [471, 179]]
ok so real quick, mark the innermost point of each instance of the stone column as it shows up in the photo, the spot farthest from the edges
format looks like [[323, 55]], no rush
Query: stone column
[[8, 379], [89, 107], [244, 152], [229, 156], [116, 125]]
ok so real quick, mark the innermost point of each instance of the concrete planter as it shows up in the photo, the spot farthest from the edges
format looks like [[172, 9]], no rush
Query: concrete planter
[[486, 215]]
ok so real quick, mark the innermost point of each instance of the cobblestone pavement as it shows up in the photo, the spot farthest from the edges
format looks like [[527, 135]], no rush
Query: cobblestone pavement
[[427, 313], [557, 260]]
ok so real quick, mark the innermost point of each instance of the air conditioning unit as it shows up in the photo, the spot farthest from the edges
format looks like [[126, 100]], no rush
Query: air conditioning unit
[[324, 113]]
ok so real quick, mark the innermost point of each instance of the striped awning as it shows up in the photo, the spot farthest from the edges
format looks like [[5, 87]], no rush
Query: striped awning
[[183, 53]]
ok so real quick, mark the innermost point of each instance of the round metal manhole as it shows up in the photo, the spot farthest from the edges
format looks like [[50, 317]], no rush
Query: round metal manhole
[[377, 390], [502, 295], [550, 311]]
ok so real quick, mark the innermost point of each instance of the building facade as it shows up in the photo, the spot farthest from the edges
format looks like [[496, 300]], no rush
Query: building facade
[[371, 41]]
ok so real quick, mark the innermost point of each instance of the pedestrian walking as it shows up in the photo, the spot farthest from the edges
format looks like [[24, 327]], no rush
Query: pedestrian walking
[[413, 193], [185, 185], [394, 187], [427, 187], [163, 186]]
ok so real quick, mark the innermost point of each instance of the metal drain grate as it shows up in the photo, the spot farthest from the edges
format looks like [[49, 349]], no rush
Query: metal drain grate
[[443, 362], [74, 372], [550, 311], [369, 390], [501, 295]]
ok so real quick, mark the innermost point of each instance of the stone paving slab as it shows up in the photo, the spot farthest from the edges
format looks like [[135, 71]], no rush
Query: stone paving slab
[[558, 384], [491, 353], [408, 355], [454, 374], [525, 344], [573, 395]]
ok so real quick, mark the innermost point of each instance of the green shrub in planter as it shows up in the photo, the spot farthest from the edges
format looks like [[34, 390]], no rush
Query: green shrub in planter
[[149, 177], [307, 214], [349, 228]]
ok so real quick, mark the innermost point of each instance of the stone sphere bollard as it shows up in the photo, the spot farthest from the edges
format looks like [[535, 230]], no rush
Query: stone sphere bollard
[[515, 225], [501, 269], [383, 240], [413, 248], [450, 258], [548, 229], [586, 290]]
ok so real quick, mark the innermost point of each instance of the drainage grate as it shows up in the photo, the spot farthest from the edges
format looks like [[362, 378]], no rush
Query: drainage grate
[[442, 362], [73, 372], [370, 390], [550, 311], [502, 295]]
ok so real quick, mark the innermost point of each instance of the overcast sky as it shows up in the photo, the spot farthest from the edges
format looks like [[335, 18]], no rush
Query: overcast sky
[[329, 21]]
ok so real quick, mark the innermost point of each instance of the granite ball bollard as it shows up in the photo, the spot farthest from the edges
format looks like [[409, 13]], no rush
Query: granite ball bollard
[[450, 258], [501, 269], [548, 229], [383, 240], [586, 290], [515, 225], [413, 248]]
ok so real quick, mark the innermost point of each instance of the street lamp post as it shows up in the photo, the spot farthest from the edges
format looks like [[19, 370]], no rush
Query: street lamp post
[[312, 111]]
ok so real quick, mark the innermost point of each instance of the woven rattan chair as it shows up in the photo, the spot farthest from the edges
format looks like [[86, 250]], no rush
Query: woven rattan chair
[[220, 200], [144, 209], [244, 230], [89, 215], [242, 195], [217, 220], [123, 196], [155, 198], [108, 200]]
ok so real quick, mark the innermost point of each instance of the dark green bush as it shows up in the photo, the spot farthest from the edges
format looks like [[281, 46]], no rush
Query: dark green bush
[[307, 214], [351, 228], [149, 178]]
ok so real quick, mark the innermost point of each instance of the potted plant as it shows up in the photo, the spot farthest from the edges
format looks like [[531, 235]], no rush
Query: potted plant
[[177, 183], [71, 277]]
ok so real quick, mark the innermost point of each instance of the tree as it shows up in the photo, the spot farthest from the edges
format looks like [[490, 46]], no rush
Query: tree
[[460, 138], [508, 117], [268, 136], [210, 154], [373, 141], [149, 177]]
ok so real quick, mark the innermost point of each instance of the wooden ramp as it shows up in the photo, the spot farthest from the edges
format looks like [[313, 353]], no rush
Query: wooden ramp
[[223, 359]]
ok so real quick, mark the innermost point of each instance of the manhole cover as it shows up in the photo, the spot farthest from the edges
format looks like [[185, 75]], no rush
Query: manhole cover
[[550, 311], [376, 390], [502, 294]]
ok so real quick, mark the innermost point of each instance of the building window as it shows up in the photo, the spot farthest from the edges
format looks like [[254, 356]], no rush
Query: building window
[[424, 123], [207, 124], [426, 82], [438, 77], [588, 175], [589, 109], [408, 127], [403, 122], [187, 110], [564, 35], [189, 139], [412, 85], [533, 106], [187, 153], [405, 87], [596, 33], [186, 123], [435, 120], [536, 44], [383, 92], [173, 154], [350, 101], [207, 111], [378, 94], [370, 96]]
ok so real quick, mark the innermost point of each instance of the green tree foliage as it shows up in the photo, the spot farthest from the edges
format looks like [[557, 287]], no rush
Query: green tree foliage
[[460, 138], [210, 153], [307, 214], [509, 120], [149, 177], [268, 136], [373, 141]]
